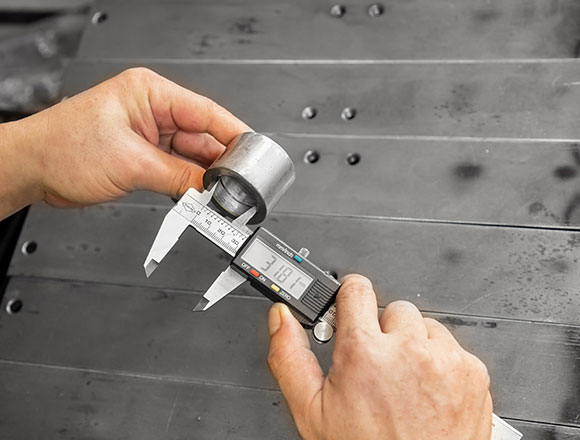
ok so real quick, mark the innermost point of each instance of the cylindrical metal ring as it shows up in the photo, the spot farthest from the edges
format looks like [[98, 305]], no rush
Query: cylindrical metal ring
[[253, 171]]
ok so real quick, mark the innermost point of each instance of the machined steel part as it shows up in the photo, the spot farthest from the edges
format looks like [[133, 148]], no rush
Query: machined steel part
[[254, 171]]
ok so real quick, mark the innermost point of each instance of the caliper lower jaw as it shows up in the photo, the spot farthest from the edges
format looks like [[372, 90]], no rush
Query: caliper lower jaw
[[229, 279]]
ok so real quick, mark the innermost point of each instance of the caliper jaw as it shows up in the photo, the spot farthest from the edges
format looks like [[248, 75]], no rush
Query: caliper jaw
[[228, 280], [171, 229], [174, 224]]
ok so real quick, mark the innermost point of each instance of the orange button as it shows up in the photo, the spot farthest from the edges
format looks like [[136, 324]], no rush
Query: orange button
[[255, 273]]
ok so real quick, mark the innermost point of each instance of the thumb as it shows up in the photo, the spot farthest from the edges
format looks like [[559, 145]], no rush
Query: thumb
[[294, 365], [166, 174]]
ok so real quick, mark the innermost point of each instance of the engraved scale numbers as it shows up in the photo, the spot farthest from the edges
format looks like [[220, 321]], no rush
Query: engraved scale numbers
[[212, 226]]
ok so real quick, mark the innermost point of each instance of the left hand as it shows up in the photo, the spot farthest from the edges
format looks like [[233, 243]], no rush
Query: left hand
[[137, 130]]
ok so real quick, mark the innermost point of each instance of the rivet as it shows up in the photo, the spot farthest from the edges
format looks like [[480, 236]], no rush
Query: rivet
[[14, 306], [99, 17], [376, 10], [308, 112], [29, 247], [337, 11], [311, 156], [348, 113], [352, 158]]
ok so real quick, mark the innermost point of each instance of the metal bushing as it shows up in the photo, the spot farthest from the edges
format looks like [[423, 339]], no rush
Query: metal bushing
[[253, 171]]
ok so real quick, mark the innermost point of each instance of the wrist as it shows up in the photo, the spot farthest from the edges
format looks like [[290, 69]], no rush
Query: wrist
[[20, 173]]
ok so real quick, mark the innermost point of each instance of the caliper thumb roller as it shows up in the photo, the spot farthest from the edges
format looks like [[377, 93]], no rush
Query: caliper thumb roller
[[241, 188]]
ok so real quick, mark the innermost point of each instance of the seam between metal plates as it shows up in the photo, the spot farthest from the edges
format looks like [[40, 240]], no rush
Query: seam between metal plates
[[264, 299], [177, 380], [554, 228], [323, 62], [142, 376]]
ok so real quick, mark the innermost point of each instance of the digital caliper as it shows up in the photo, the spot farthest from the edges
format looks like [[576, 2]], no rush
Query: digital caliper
[[242, 187]]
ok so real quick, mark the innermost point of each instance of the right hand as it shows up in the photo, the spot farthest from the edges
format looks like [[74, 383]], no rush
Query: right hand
[[397, 377]]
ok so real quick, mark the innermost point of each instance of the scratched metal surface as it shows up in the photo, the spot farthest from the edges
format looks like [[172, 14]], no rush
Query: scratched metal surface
[[465, 201], [514, 100], [303, 29], [69, 403], [101, 321]]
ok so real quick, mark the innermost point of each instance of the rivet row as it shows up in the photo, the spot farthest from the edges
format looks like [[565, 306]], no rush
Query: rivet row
[[313, 156], [347, 114], [374, 10]]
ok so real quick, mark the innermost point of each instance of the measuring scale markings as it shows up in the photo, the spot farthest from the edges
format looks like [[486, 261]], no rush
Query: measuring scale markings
[[211, 226]]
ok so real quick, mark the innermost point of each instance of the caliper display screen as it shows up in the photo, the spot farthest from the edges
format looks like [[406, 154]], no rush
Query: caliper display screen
[[277, 268]]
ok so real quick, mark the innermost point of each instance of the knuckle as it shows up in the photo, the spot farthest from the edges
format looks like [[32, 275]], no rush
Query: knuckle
[[480, 370], [456, 361], [275, 360], [136, 77], [138, 74], [430, 322], [399, 305], [214, 108], [279, 356]]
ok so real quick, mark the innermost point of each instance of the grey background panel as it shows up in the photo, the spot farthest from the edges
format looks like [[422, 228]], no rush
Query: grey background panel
[[521, 100], [478, 182], [73, 404], [489, 271], [536, 431], [110, 328], [305, 29]]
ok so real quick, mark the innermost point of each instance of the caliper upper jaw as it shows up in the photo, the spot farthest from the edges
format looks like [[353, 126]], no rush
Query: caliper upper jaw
[[171, 229]]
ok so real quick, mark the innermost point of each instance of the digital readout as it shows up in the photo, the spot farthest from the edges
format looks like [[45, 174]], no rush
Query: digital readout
[[277, 268]]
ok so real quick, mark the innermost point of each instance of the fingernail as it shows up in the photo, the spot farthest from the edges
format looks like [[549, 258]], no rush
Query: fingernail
[[277, 314]]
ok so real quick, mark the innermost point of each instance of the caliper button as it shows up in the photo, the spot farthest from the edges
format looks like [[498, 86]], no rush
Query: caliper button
[[255, 273]]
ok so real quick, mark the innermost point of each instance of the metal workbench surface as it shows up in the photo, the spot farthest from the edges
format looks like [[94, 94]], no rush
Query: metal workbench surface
[[465, 200]]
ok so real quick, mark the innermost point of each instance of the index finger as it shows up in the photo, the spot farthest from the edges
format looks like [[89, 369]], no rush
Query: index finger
[[356, 306], [195, 113]]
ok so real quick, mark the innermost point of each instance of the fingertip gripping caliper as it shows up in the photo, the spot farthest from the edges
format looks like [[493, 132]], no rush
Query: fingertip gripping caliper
[[242, 187]]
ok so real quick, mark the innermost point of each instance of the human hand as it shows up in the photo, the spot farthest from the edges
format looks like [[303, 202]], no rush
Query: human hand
[[400, 377], [115, 138]]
